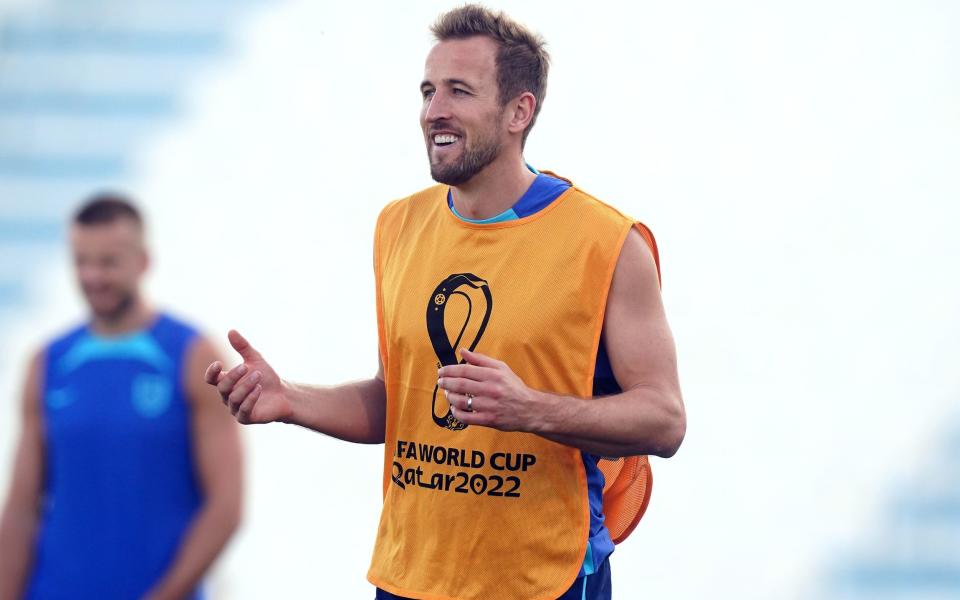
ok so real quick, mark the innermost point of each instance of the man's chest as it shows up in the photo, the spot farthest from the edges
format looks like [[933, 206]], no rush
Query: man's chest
[[511, 296]]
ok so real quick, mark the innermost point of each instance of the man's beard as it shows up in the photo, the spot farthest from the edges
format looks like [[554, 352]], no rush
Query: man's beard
[[472, 161], [117, 310]]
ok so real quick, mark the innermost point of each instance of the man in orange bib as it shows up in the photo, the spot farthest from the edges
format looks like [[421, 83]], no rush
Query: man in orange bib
[[522, 337]]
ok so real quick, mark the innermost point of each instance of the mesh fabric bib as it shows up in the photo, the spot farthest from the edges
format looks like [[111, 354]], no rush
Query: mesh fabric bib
[[471, 512]]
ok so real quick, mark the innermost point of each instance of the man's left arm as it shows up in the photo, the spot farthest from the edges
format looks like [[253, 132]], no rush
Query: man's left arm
[[218, 462], [648, 417]]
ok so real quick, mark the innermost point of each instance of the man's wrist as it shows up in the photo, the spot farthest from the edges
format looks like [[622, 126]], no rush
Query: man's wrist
[[292, 395], [553, 413]]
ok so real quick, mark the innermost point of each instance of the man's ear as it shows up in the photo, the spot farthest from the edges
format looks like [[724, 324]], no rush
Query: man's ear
[[521, 112], [145, 261]]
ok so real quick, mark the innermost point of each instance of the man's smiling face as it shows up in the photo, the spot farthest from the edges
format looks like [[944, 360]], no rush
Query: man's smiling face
[[462, 119]]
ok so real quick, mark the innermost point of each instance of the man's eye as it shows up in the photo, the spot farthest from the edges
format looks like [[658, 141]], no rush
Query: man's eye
[[460, 91], [426, 93]]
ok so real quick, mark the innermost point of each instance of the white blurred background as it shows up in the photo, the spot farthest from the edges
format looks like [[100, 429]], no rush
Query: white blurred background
[[798, 162]]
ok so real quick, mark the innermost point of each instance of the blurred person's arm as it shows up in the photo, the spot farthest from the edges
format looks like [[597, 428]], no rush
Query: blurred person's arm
[[219, 465], [21, 512], [355, 412]]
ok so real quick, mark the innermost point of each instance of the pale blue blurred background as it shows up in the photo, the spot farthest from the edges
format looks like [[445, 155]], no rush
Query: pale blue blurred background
[[799, 163]]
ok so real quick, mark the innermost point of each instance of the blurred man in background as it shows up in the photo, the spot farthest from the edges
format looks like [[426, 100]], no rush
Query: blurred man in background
[[127, 480], [491, 481]]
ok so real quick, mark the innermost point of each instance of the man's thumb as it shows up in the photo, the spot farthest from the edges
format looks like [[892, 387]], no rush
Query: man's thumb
[[241, 345]]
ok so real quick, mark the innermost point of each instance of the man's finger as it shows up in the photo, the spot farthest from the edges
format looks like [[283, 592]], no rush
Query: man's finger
[[243, 389], [212, 376], [230, 379], [466, 371], [464, 386], [246, 409], [241, 345], [460, 401], [481, 360], [473, 418]]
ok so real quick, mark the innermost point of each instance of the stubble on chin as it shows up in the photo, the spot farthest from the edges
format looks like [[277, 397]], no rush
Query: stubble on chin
[[470, 162], [116, 311], [449, 175]]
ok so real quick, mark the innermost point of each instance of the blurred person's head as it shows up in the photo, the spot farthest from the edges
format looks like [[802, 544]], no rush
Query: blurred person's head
[[109, 254], [484, 84]]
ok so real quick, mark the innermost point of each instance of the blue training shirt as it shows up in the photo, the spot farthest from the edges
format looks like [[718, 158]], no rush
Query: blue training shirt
[[539, 195], [120, 487]]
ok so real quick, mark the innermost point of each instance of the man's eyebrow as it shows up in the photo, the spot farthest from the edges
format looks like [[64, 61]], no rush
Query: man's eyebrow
[[452, 81], [458, 82]]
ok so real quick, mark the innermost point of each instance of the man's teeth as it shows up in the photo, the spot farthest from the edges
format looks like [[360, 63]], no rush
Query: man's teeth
[[444, 139]]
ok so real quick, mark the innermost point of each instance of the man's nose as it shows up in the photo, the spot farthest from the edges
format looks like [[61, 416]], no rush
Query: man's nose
[[90, 275], [438, 107]]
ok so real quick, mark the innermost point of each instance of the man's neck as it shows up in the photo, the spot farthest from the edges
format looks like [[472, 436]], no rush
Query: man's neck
[[493, 190], [136, 317]]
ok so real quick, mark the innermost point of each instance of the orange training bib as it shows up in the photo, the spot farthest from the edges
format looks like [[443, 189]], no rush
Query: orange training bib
[[471, 512]]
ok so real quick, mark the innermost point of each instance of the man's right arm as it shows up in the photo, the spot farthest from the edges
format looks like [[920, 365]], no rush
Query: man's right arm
[[355, 411], [254, 393], [18, 524]]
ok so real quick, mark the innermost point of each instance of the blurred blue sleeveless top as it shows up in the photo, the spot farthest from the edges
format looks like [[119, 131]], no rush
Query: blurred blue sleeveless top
[[119, 484]]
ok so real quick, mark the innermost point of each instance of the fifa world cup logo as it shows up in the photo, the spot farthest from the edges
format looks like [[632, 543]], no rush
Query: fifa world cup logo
[[460, 305]]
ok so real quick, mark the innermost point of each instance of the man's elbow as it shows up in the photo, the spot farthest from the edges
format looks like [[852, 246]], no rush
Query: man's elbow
[[672, 439], [672, 432]]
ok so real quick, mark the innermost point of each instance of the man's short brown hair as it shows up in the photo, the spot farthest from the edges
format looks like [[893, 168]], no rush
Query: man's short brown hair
[[104, 208], [522, 61]]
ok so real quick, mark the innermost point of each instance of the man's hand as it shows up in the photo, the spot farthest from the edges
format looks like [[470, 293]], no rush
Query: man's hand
[[500, 398], [252, 390]]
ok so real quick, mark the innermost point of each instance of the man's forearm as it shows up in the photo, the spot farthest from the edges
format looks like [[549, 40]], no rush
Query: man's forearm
[[355, 412], [643, 420], [204, 540], [17, 532]]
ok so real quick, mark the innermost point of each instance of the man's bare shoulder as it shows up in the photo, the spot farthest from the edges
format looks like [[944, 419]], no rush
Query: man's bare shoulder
[[637, 264]]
